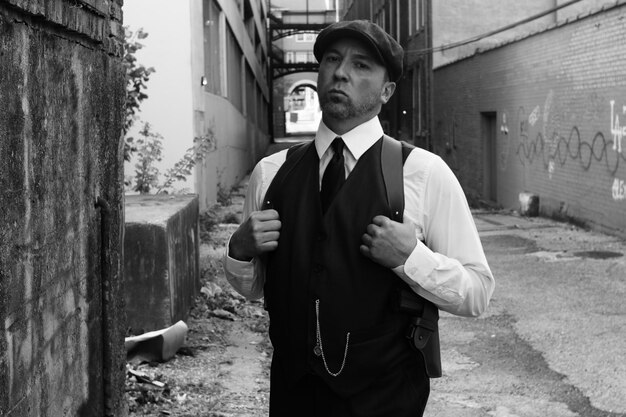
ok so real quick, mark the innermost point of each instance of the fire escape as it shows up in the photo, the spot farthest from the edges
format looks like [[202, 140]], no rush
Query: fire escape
[[288, 23], [284, 24]]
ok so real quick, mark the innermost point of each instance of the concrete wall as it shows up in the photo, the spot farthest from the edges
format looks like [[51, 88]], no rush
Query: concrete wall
[[238, 147], [555, 103], [61, 96]]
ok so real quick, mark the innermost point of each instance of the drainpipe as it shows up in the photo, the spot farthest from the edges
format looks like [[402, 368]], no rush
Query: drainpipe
[[105, 277]]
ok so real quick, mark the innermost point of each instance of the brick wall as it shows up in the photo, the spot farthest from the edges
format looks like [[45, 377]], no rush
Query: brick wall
[[61, 95], [556, 131]]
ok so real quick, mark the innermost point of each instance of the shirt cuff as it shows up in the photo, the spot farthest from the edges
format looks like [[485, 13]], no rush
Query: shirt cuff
[[420, 265], [237, 267]]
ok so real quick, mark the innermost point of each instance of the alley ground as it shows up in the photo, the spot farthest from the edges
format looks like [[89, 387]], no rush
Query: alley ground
[[552, 343]]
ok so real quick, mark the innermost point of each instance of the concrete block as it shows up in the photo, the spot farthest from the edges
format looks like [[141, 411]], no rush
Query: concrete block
[[161, 270]]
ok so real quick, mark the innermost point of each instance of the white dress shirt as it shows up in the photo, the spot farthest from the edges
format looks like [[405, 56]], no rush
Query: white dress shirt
[[448, 265]]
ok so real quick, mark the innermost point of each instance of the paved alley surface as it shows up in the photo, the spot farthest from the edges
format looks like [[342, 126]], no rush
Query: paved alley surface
[[551, 344], [553, 341]]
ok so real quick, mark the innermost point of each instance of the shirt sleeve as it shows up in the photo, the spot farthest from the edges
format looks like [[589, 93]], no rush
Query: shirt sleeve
[[248, 278], [448, 265]]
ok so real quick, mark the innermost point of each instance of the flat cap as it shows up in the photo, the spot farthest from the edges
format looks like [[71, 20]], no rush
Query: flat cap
[[383, 44]]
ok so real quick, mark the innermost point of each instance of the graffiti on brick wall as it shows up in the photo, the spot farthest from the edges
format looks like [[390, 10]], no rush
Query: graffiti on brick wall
[[504, 144], [554, 149], [560, 148], [618, 190], [618, 132], [534, 116]]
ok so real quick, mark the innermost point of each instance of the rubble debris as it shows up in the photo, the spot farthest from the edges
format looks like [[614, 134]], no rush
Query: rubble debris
[[160, 345], [223, 314]]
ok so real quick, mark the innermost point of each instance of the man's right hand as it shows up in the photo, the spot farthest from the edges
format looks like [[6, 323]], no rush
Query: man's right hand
[[257, 235]]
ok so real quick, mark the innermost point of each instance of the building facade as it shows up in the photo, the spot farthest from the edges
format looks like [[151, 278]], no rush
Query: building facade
[[466, 22], [542, 114], [211, 83]]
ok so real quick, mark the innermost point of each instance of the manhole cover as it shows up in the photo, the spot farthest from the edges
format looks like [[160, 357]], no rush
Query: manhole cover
[[598, 254]]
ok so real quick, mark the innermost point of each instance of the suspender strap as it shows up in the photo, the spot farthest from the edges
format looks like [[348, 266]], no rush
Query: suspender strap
[[391, 165], [423, 331]]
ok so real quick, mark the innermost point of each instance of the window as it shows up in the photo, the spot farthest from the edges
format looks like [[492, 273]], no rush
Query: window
[[262, 111], [212, 42], [234, 57], [289, 57], [419, 15], [305, 37], [417, 100], [397, 19], [250, 95], [248, 19], [301, 57]]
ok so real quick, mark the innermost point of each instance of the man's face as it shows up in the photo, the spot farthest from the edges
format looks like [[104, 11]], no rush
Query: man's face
[[352, 84]]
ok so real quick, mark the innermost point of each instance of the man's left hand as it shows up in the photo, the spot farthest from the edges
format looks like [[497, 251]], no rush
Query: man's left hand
[[387, 242]]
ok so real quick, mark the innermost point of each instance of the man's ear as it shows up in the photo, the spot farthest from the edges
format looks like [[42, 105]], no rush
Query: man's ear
[[387, 91]]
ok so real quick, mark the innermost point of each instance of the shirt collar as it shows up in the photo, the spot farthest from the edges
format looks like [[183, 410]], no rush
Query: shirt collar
[[357, 140]]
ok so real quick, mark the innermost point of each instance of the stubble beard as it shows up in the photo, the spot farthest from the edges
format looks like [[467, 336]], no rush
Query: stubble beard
[[342, 108]]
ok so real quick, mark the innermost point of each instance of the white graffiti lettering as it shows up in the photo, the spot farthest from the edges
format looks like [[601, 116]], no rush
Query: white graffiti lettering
[[617, 131], [534, 116], [550, 168], [503, 127], [619, 190]]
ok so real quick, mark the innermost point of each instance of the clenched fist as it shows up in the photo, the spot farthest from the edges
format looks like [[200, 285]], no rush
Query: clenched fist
[[388, 242], [257, 235]]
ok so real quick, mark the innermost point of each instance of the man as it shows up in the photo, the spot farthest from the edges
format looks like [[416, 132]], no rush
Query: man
[[329, 260]]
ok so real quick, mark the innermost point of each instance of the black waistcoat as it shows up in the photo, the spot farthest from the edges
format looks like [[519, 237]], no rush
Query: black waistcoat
[[318, 258]]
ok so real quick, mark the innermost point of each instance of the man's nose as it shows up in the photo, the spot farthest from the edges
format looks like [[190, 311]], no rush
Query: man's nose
[[341, 70]]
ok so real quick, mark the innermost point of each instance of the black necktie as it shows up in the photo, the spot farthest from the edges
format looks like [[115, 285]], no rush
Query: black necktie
[[334, 176]]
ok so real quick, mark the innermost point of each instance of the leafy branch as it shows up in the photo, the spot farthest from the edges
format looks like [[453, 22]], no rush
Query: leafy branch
[[194, 155], [149, 148], [137, 76]]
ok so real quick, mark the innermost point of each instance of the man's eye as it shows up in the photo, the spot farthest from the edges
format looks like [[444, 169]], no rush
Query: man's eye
[[331, 58], [361, 65]]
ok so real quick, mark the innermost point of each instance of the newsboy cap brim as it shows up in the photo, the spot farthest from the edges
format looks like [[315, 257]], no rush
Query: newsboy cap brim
[[386, 48]]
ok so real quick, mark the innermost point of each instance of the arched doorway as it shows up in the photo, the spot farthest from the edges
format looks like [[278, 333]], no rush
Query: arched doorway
[[302, 110]]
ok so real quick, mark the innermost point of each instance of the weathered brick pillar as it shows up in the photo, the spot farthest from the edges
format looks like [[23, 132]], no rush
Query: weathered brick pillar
[[61, 314]]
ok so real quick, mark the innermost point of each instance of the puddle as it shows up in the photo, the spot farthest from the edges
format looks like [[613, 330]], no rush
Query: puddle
[[598, 254], [509, 243]]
